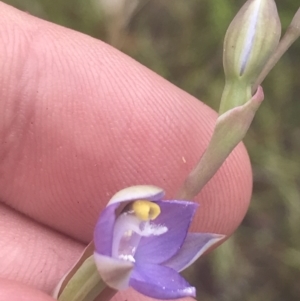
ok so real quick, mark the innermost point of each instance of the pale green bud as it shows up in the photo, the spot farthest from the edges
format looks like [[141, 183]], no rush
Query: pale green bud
[[250, 40]]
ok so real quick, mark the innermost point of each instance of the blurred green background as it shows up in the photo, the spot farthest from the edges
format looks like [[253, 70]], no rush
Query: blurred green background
[[182, 41]]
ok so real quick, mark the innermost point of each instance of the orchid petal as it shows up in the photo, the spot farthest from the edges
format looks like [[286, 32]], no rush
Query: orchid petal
[[126, 237], [114, 272], [139, 192], [104, 229], [193, 247], [176, 217], [160, 282]]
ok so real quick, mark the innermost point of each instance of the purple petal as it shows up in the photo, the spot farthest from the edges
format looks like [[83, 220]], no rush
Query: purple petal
[[160, 282], [193, 247], [176, 216], [103, 233]]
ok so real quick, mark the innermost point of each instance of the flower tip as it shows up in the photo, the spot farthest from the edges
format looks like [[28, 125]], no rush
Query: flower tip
[[190, 292], [148, 192]]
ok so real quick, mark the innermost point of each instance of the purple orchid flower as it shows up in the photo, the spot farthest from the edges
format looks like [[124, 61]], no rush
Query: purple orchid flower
[[143, 242]]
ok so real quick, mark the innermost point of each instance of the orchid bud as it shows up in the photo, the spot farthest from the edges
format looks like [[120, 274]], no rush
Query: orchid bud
[[250, 40]]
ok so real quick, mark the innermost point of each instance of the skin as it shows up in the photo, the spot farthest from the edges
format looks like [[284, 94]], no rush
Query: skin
[[80, 121]]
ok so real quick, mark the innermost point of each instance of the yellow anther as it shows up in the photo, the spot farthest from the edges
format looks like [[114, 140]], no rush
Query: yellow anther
[[145, 210]]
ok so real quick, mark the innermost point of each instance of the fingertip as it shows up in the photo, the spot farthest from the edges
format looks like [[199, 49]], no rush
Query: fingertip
[[86, 121], [15, 291]]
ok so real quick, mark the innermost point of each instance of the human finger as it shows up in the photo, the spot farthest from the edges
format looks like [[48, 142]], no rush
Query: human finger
[[15, 291], [83, 120]]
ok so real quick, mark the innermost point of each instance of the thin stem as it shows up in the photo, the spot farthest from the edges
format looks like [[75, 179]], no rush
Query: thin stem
[[230, 129], [86, 285], [291, 35]]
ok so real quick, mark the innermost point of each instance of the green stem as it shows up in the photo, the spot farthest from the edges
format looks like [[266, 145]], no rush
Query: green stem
[[230, 129], [86, 285], [235, 93]]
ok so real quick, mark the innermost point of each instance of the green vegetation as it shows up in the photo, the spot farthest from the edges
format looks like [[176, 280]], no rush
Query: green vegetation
[[182, 41]]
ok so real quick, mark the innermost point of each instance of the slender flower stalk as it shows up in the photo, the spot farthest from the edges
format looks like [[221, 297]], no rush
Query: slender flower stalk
[[82, 282], [230, 129], [88, 281]]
